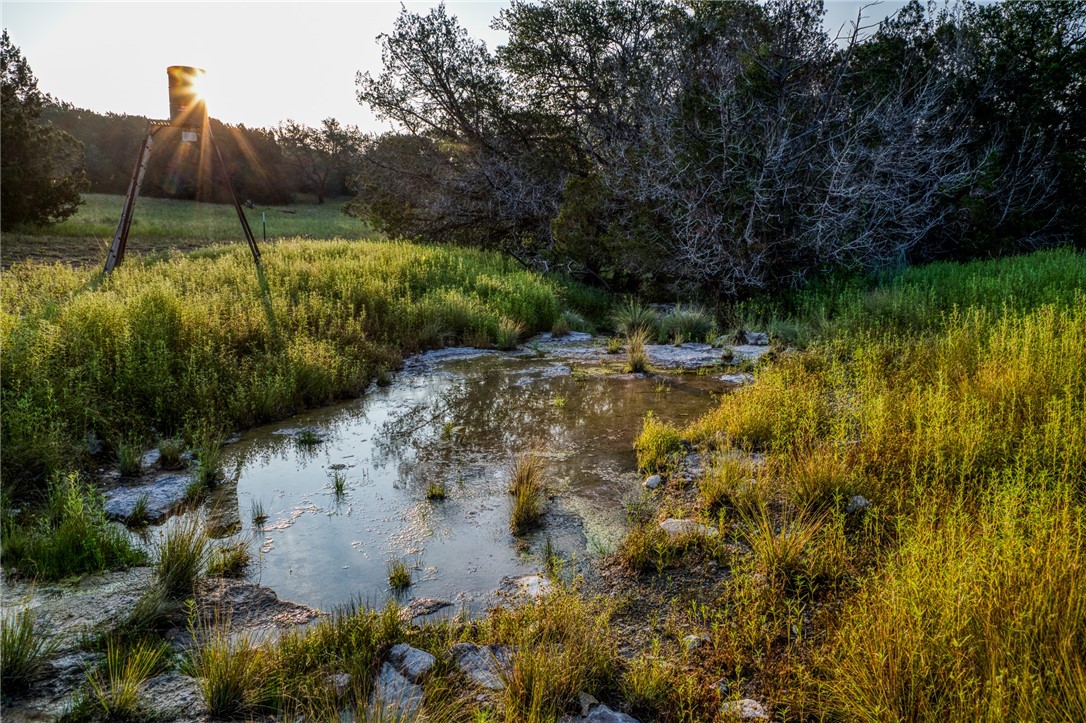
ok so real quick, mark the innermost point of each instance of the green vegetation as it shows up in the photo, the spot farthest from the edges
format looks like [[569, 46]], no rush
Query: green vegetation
[[228, 670], [630, 317], [953, 399], [163, 226], [170, 450], [181, 557], [23, 650], [117, 685], [437, 490], [70, 537], [129, 457], [228, 560], [339, 483], [399, 577], [657, 445], [183, 345], [686, 323], [526, 489], [637, 360], [509, 332]]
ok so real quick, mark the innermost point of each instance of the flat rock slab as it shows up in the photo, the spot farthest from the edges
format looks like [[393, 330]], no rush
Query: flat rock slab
[[738, 380], [745, 709], [686, 528], [411, 663], [163, 493], [248, 606], [394, 697], [485, 665], [174, 696], [422, 606], [601, 714]]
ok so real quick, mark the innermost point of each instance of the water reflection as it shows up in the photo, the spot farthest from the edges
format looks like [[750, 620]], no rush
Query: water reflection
[[457, 423]]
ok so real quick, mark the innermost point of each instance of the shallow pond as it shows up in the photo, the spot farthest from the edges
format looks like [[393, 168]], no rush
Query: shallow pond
[[454, 419]]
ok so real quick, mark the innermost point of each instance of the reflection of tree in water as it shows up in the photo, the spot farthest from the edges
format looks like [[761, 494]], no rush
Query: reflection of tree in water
[[496, 411]]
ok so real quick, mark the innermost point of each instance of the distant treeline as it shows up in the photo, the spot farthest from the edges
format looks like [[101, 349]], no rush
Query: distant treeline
[[267, 166], [731, 147]]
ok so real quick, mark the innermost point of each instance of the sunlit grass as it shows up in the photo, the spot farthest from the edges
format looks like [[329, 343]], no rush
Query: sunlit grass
[[526, 490]]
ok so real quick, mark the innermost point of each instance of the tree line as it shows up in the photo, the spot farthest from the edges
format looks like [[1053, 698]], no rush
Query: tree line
[[52, 151], [732, 147]]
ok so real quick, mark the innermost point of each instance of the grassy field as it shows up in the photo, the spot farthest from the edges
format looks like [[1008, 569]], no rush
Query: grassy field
[[162, 224], [169, 346], [952, 398]]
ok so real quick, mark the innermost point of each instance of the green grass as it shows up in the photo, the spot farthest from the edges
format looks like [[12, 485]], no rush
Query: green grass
[[170, 450], [658, 445], [70, 536], [399, 577], [117, 684], [630, 317], [437, 490], [181, 557], [637, 360], [953, 397], [686, 323], [23, 650], [228, 560], [130, 457], [183, 344], [162, 224], [526, 489]]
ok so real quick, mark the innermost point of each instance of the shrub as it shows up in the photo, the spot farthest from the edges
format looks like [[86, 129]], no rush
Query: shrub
[[509, 331], [117, 686], [657, 445], [686, 323], [130, 457], [630, 317], [169, 453]]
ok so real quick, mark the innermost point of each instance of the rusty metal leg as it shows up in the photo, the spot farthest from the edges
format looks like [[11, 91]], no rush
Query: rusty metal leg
[[120, 239], [237, 203]]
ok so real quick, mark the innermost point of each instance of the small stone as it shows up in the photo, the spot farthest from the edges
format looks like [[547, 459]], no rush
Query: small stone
[[341, 683], [738, 380], [485, 665], [722, 686], [337, 466], [600, 714], [150, 458], [532, 586], [693, 642], [686, 528], [162, 495], [174, 694], [857, 503], [586, 701], [412, 663], [653, 482], [745, 709]]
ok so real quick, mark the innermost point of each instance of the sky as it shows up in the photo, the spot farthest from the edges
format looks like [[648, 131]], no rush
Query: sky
[[265, 61]]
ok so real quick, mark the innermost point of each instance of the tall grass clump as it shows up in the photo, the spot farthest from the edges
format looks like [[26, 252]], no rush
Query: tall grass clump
[[526, 489], [130, 457], [658, 445], [509, 331], [24, 649], [71, 536], [230, 670], [630, 317], [980, 615], [689, 323], [117, 684], [181, 557], [186, 342], [559, 648], [637, 360]]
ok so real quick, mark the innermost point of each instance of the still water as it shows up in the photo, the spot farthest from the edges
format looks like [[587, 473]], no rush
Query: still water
[[454, 419]]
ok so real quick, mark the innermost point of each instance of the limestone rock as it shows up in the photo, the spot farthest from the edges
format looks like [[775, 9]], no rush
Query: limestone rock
[[394, 697], [422, 606], [485, 665], [531, 587], [601, 714], [173, 694], [693, 642], [745, 709], [684, 528], [857, 503], [653, 482], [756, 338], [163, 493], [411, 663]]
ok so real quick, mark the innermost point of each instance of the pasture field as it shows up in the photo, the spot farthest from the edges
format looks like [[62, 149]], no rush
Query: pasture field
[[161, 224]]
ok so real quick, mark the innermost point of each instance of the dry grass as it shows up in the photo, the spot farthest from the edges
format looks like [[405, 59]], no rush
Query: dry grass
[[527, 489]]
